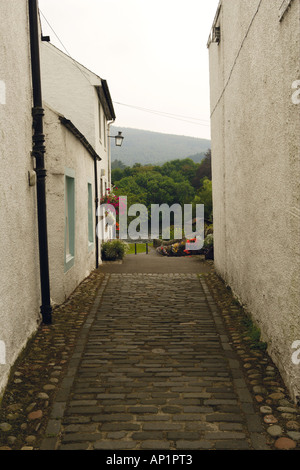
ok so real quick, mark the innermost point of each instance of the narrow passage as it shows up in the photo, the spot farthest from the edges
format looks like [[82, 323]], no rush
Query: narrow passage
[[158, 372]]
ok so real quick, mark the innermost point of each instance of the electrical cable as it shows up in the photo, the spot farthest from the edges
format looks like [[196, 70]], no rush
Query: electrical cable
[[237, 56], [177, 117], [165, 114]]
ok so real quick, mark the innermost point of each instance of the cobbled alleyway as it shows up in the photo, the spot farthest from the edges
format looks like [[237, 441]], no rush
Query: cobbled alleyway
[[157, 372], [149, 354]]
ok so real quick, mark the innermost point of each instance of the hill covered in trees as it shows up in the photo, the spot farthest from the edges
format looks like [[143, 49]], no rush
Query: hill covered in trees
[[180, 181], [148, 147]]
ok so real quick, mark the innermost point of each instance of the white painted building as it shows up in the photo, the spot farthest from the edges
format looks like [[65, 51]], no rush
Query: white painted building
[[76, 163], [19, 273], [254, 76], [84, 98], [71, 211]]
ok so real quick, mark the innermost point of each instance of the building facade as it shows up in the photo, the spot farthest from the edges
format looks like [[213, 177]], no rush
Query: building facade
[[19, 274], [254, 55], [66, 146], [84, 98], [71, 206]]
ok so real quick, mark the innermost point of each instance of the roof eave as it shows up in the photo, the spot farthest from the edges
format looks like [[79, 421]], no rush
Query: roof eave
[[106, 101], [70, 126]]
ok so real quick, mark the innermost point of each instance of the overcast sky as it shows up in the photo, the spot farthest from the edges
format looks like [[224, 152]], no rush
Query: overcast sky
[[153, 55]]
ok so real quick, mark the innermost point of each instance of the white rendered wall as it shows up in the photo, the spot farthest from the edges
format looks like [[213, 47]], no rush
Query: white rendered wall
[[256, 169], [64, 151], [19, 273], [70, 89]]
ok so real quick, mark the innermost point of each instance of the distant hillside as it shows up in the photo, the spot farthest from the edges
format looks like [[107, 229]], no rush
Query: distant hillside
[[153, 147]]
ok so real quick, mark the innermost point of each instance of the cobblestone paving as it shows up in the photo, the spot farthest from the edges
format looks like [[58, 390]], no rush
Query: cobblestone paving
[[154, 370]]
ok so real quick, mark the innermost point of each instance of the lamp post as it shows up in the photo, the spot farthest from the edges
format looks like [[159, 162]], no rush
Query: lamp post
[[118, 139]]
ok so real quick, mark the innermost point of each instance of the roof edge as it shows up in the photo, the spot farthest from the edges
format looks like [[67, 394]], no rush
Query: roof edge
[[214, 23], [70, 126], [104, 94]]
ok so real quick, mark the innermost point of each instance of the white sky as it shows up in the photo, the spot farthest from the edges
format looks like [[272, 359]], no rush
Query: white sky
[[153, 55]]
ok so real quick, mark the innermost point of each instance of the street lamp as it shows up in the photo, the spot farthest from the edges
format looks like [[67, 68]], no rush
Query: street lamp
[[118, 139]]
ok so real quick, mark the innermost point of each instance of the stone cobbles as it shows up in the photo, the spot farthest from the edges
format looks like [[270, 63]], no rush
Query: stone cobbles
[[40, 371], [148, 362], [157, 372], [274, 411]]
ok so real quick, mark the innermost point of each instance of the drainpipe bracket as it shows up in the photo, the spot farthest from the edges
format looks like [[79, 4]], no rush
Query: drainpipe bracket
[[38, 111], [41, 172]]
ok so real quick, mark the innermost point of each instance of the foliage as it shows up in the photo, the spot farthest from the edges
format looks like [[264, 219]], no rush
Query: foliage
[[172, 183], [113, 250], [204, 196], [178, 249], [203, 171], [111, 199], [117, 164], [208, 241], [253, 333]]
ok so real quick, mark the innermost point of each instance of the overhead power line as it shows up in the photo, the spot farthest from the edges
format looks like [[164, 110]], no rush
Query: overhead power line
[[64, 47], [178, 117], [57, 37], [237, 56]]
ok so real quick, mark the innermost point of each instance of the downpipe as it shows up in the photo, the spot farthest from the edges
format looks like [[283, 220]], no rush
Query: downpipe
[[38, 152], [96, 212]]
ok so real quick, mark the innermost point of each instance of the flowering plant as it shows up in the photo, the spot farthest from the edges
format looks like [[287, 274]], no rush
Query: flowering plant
[[112, 199]]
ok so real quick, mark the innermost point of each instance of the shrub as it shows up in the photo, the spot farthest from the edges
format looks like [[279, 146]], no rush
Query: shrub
[[113, 250], [209, 241]]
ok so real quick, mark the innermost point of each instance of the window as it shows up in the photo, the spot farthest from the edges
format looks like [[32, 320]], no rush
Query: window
[[69, 219], [90, 216], [100, 120], [101, 188], [215, 33], [104, 130]]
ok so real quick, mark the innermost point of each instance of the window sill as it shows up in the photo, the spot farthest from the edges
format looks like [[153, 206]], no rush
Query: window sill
[[69, 262]]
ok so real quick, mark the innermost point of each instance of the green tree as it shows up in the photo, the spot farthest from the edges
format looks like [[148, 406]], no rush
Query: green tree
[[203, 171], [117, 164], [204, 196]]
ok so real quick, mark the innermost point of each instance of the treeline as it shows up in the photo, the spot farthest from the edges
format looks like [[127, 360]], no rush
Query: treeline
[[175, 182]]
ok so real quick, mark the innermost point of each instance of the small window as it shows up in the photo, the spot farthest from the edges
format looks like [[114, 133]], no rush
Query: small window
[[101, 188], [104, 130], [100, 120], [69, 219], [216, 34], [90, 216]]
